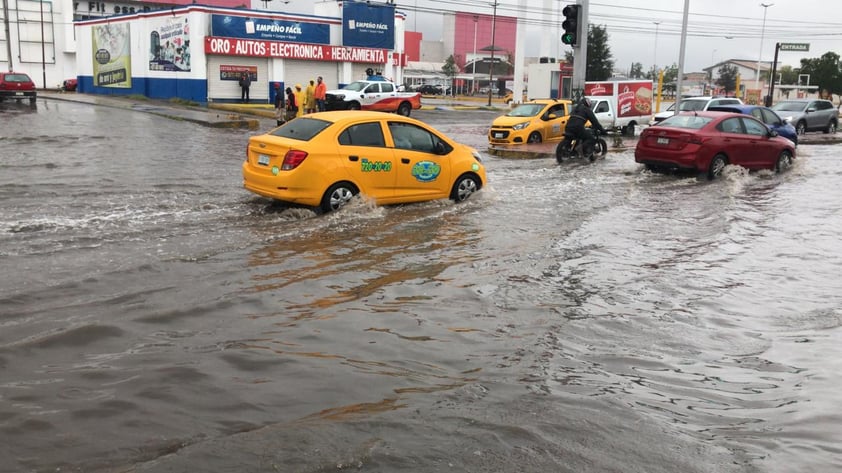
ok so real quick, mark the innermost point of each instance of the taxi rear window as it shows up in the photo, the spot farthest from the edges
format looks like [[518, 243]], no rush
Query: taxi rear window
[[301, 128]]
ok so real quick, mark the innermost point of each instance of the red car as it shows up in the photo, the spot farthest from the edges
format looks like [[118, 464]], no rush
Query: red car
[[69, 85], [16, 85], [705, 142]]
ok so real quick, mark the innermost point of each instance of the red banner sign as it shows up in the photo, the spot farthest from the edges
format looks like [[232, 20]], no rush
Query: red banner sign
[[311, 52]]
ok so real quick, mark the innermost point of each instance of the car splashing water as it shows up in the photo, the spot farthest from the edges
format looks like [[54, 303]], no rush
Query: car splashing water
[[579, 317]]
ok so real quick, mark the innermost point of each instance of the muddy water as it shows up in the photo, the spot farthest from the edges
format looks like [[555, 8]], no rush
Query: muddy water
[[154, 316]]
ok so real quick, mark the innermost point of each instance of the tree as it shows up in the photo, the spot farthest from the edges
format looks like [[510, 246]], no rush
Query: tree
[[824, 72], [636, 71], [600, 65], [450, 69], [727, 77], [789, 76]]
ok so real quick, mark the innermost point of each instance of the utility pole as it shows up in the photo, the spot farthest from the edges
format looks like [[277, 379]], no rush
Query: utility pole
[[493, 47], [8, 38]]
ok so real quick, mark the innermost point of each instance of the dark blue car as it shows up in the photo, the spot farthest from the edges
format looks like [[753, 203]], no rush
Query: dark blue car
[[765, 115]]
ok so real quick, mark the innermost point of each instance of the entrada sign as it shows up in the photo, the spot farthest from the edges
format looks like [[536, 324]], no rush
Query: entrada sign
[[803, 47]]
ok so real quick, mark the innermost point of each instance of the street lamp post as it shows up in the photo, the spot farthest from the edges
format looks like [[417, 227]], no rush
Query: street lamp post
[[474, 60], [493, 47], [762, 33], [43, 55], [655, 51]]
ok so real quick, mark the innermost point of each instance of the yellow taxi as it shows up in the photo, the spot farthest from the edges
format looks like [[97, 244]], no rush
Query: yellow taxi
[[532, 122], [322, 160]]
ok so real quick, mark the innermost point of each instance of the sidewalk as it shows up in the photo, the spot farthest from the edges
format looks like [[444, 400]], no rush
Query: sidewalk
[[210, 117]]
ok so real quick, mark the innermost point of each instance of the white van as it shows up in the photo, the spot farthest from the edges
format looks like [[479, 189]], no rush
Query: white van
[[691, 104]]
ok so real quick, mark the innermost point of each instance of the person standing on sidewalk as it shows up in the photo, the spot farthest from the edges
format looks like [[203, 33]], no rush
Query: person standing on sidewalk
[[279, 105], [320, 94], [299, 99], [310, 98], [245, 83], [292, 107]]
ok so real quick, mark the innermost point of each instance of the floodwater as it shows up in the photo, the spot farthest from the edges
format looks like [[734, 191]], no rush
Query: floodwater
[[155, 316]]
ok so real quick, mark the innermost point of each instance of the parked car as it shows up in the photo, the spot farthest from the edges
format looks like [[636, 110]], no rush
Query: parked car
[[705, 142], [765, 115], [69, 85], [809, 115], [510, 96], [690, 104], [324, 159], [18, 86], [430, 89], [532, 122]]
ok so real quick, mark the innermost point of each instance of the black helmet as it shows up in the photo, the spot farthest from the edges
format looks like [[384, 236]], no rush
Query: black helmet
[[586, 102]]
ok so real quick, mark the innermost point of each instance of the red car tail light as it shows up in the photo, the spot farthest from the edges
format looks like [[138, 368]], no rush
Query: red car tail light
[[292, 159]]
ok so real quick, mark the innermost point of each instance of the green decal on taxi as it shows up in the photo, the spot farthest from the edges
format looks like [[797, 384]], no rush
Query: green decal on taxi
[[426, 171], [375, 166], [475, 167], [275, 170]]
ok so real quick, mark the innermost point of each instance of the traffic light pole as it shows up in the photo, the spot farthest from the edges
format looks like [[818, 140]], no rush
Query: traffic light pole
[[580, 53]]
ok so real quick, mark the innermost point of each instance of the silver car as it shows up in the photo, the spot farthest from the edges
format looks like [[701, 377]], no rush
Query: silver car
[[809, 115]]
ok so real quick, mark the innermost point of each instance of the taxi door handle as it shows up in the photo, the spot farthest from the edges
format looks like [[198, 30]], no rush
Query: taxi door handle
[[353, 158], [405, 160]]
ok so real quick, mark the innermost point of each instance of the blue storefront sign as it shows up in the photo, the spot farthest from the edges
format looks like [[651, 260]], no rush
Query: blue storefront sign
[[269, 29], [368, 25]]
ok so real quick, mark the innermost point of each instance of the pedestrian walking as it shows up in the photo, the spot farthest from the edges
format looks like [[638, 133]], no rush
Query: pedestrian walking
[[320, 94], [292, 107], [245, 83], [279, 105], [310, 98]]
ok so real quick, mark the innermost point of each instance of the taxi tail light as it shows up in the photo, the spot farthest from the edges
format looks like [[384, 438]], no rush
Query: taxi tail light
[[292, 159]]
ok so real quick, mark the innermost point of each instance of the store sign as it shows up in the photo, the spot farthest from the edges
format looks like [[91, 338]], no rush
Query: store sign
[[97, 9], [311, 52], [270, 29], [369, 25]]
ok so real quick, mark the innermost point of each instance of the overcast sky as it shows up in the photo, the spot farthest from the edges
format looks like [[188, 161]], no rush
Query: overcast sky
[[718, 30]]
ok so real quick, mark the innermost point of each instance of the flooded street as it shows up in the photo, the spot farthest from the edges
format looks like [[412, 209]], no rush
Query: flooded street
[[155, 316]]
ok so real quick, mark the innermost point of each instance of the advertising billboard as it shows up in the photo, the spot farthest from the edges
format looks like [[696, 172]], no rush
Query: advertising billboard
[[368, 25]]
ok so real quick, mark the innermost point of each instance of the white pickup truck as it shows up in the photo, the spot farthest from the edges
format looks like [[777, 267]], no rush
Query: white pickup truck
[[379, 95]]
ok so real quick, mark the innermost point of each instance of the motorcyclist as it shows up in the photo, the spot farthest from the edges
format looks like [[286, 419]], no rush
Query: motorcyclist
[[575, 128]]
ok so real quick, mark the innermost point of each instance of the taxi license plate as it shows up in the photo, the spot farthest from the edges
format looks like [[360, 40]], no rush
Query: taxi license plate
[[663, 141], [499, 135], [263, 159]]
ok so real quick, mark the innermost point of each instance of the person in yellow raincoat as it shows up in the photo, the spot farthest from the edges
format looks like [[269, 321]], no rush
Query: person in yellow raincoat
[[310, 98], [299, 99]]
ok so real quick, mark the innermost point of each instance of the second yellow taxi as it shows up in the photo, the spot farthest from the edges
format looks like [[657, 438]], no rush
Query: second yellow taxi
[[323, 160], [532, 122]]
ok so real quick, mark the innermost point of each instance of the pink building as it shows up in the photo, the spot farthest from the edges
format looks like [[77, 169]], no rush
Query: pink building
[[472, 41]]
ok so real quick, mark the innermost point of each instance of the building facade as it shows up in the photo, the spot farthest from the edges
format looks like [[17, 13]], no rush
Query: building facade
[[198, 52]]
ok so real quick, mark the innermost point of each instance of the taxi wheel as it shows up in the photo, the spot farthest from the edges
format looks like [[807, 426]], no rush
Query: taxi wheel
[[338, 195], [464, 187], [404, 109], [534, 137]]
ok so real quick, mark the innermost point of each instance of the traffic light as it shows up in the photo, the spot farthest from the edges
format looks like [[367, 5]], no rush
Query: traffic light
[[570, 25]]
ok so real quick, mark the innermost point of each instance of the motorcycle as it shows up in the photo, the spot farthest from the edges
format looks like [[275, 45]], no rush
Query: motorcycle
[[570, 147]]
